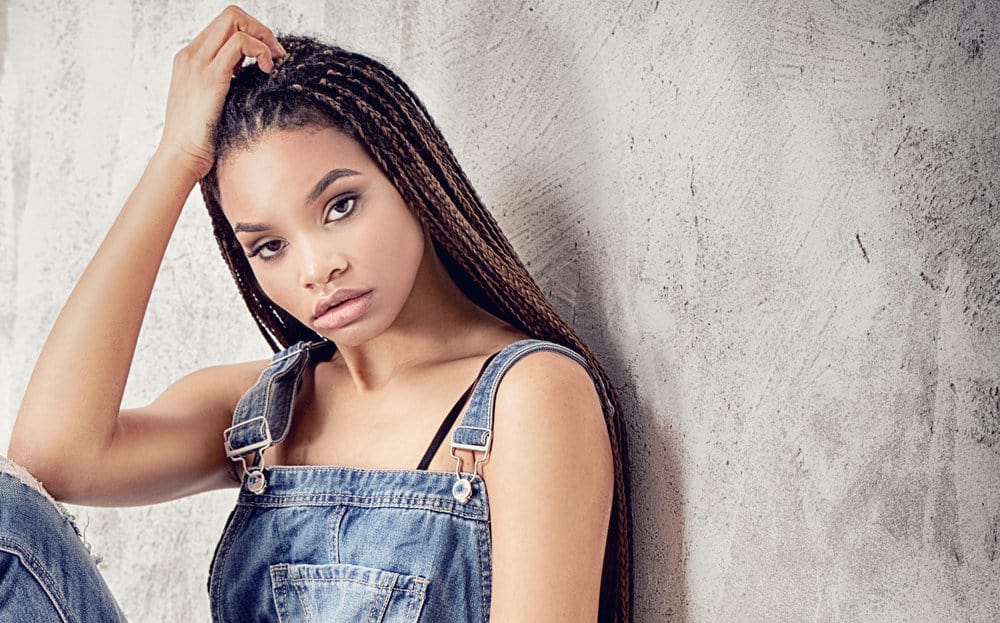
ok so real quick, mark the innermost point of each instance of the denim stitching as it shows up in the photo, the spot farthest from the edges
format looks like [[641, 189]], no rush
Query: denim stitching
[[448, 511], [351, 580], [496, 376], [271, 500], [36, 569], [271, 382], [484, 541], [278, 592], [516, 356], [27, 479], [293, 390], [350, 498], [380, 586], [385, 592], [300, 593], [393, 497], [229, 536], [416, 599], [333, 529], [269, 376]]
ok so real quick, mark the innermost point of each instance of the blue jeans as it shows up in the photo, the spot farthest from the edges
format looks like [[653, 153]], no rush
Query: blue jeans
[[46, 571]]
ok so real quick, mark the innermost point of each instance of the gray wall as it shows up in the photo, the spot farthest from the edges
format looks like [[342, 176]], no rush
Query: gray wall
[[775, 220]]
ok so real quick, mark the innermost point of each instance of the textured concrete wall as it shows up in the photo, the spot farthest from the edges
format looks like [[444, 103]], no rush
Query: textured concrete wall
[[776, 220]]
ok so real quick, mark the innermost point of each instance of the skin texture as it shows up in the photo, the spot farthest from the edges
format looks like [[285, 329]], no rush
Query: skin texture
[[402, 365]]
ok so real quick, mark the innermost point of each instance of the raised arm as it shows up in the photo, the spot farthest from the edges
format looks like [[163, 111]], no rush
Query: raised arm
[[69, 430]]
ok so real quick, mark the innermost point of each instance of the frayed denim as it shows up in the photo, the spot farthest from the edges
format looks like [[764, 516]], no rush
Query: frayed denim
[[47, 572]]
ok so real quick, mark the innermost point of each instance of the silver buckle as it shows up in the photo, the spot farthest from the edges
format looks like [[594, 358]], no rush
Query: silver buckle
[[235, 453], [483, 448], [256, 482]]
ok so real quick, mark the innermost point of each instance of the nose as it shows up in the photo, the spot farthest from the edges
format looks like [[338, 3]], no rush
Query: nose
[[320, 262]]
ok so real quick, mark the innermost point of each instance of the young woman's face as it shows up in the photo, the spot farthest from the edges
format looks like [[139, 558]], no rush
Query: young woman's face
[[317, 218]]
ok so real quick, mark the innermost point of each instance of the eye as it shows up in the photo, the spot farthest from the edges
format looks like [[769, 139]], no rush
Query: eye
[[267, 250], [340, 208]]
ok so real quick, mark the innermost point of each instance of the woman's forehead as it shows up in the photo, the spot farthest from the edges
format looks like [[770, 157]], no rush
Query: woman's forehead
[[296, 147], [282, 160]]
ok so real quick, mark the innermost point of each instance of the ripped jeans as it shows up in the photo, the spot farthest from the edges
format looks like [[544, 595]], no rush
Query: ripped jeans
[[46, 571]]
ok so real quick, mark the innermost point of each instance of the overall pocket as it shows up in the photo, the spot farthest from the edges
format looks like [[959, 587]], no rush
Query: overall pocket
[[343, 593]]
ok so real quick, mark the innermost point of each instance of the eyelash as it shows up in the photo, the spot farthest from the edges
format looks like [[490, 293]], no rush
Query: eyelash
[[350, 200]]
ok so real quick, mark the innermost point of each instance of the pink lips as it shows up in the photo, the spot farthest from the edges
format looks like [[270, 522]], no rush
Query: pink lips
[[343, 313]]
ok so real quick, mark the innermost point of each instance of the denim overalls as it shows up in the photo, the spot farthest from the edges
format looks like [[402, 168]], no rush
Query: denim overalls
[[341, 544]]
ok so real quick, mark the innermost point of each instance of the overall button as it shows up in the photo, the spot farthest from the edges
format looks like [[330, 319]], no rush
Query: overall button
[[462, 490], [256, 481]]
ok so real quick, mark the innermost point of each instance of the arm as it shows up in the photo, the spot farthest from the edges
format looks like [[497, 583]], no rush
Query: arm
[[550, 480], [171, 447], [68, 430]]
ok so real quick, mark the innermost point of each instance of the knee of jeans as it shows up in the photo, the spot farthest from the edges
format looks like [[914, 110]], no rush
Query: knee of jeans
[[19, 472]]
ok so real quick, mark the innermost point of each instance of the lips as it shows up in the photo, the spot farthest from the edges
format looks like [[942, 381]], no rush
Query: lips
[[341, 308], [336, 298]]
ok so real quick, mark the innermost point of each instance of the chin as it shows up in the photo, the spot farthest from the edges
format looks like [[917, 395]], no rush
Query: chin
[[357, 333]]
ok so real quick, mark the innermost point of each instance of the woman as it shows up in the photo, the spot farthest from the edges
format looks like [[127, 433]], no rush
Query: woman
[[386, 289]]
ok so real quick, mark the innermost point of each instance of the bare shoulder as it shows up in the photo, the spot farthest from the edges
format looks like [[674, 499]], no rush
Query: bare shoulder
[[548, 402], [551, 381]]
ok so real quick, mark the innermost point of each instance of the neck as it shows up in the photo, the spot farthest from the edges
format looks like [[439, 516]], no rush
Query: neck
[[438, 323]]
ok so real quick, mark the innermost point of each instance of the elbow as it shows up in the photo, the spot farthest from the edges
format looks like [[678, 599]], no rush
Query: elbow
[[20, 453], [51, 472]]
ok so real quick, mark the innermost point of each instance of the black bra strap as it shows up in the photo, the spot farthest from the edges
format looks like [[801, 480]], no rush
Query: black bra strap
[[450, 419]]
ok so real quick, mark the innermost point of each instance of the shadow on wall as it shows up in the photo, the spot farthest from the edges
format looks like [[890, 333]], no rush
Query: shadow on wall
[[550, 196]]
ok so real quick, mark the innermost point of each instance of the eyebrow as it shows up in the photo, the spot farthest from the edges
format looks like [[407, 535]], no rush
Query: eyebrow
[[314, 194], [326, 180]]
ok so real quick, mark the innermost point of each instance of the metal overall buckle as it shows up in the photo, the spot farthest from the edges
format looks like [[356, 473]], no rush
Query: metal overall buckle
[[254, 474], [462, 489]]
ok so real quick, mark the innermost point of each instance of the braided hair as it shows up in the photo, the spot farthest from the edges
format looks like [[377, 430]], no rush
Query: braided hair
[[317, 85]]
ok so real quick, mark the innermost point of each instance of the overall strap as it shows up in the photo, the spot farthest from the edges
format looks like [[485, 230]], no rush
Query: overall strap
[[263, 415], [445, 426], [475, 432]]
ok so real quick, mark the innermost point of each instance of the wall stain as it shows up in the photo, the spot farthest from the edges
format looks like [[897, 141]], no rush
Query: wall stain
[[984, 397], [992, 539], [864, 252]]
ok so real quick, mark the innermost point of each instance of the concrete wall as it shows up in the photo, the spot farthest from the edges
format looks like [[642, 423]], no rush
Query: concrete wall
[[776, 220]]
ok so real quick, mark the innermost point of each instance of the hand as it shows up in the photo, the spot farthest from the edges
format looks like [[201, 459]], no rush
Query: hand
[[201, 75]]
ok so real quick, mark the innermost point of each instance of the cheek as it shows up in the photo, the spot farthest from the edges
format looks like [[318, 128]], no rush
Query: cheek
[[404, 250], [275, 286]]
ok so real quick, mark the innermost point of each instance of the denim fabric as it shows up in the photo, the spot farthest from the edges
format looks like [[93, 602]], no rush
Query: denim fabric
[[46, 570], [315, 543], [340, 544]]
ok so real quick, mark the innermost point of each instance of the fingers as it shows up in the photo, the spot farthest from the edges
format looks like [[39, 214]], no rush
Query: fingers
[[239, 46], [216, 40]]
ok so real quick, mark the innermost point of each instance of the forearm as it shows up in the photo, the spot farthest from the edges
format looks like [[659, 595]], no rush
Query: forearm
[[70, 411], [70, 407]]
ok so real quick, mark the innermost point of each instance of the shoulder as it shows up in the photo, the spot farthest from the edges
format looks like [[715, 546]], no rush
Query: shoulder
[[548, 378], [547, 402]]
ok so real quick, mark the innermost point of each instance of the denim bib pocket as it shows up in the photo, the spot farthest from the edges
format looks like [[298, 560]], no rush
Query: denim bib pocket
[[342, 593]]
